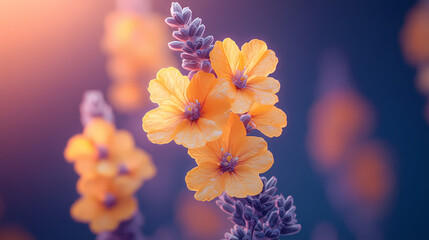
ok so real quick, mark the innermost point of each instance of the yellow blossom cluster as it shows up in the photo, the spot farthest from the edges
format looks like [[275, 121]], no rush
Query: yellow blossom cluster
[[111, 170], [211, 115]]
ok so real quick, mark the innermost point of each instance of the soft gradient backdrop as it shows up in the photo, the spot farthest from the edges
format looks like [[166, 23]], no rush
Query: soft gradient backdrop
[[50, 54]]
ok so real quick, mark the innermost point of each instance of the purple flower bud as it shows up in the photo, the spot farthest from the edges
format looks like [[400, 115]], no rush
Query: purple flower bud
[[187, 15], [176, 45], [179, 36], [175, 8], [239, 221], [188, 56], [196, 22], [280, 201], [207, 41], [289, 202], [271, 191], [259, 235], [188, 50], [206, 66], [227, 208], [273, 219], [201, 54], [192, 30], [179, 18], [290, 230], [191, 65], [190, 45], [171, 22], [272, 182], [200, 30]]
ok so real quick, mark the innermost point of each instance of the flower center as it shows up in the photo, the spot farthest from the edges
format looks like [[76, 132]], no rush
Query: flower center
[[240, 80], [228, 163], [109, 200], [193, 110], [123, 169], [103, 153]]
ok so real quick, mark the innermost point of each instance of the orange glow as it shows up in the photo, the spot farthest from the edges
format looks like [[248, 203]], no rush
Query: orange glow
[[337, 120], [200, 220], [370, 174], [12, 232], [423, 79], [415, 34], [127, 96]]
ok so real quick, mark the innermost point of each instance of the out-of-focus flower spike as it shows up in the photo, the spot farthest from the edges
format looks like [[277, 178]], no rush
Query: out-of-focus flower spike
[[94, 106], [264, 216], [190, 33]]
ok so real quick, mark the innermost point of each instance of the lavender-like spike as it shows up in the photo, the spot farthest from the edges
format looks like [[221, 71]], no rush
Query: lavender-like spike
[[127, 230], [93, 105], [190, 41], [264, 216]]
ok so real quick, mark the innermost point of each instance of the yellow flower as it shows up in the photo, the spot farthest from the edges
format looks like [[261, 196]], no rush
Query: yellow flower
[[190, 112], [268, 119], [247, 72], [232, 164], [104, 208], [104, 151]]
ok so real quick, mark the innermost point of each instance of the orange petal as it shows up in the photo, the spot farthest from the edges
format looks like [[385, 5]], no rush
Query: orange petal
[[100, 131], [169, 88], [265, 89], [189, 135], [243, 100], [86, 167], [251, 146], [226, 58], [94, 187], [104, 222], [161, 124], [209, 129], [233, 135], [206, 181], [217, 104], [260, 163], [208, 153], [268, 119], [201, 85], [125, 208], [147, 169], [122, 143], [127, 184], [258, 60], [85, 209], [242, 183], [79, 147]]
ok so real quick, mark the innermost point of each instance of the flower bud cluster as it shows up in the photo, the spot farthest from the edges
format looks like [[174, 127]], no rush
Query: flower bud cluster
[[265, 216], [190, 41]]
